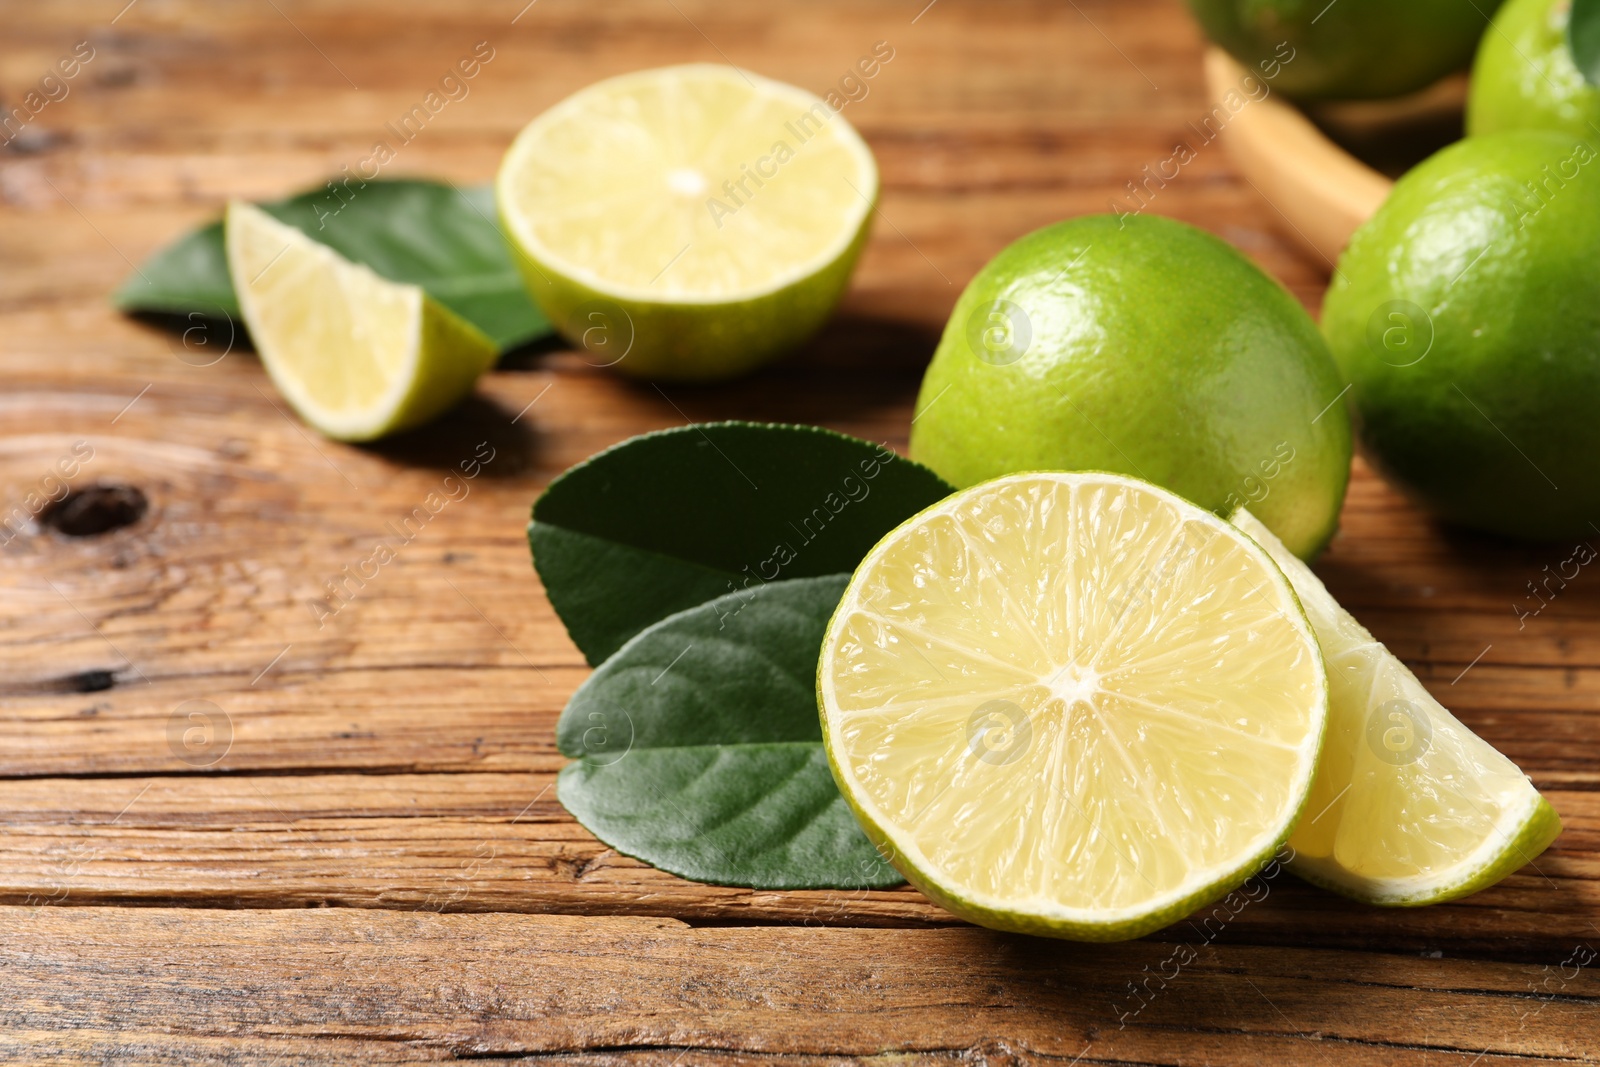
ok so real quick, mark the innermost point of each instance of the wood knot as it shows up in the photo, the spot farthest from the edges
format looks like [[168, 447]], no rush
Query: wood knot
[[90, 682], [95, 510]]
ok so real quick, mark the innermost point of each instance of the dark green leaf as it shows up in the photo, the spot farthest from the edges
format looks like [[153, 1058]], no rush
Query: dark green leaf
[[699, 747], [425, 233], [1583, 38], [668, 520], [189, 276]]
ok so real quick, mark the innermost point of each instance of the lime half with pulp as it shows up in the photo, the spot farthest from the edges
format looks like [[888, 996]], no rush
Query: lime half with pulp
[[1072, 704], [688, 222]]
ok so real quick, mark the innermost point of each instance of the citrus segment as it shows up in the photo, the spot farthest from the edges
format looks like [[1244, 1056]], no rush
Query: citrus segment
[[356, 355], [1409, 806]]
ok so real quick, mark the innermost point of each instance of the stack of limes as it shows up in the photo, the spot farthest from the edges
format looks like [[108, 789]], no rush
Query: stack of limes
[[1463, 315]]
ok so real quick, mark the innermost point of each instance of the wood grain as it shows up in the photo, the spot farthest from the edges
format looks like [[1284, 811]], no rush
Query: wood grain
[[502, 842], [370, 859], [325, 986]]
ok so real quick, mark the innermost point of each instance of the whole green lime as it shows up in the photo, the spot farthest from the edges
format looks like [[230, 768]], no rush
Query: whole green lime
[[1466, 316], [1525, 77], [1142, 346], [1347, 49]]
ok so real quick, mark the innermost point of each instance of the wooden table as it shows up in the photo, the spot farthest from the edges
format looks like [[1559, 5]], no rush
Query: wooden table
[[364, 860]]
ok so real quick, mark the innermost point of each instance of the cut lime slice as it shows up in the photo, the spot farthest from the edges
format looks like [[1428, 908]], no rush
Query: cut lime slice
[[1072, 704], [356, 355], [688, 222], [1409, 806]]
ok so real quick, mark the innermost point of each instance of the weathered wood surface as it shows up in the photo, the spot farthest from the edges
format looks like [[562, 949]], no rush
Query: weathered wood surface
[[396, 759], [502, 842], [338, 986]]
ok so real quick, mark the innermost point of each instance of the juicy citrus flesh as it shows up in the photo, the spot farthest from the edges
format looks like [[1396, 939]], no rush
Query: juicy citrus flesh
[[688, 183], [309, 301], [1409, 806], [355, 354], [1072, 704]]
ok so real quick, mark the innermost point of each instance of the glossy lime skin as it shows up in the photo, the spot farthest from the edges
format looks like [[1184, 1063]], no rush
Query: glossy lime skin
[[1143, 346], [1350, 49], [1524, 76], [1466, 315]]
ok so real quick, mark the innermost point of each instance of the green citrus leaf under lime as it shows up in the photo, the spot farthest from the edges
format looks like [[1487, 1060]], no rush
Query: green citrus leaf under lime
[[671, 519], [408, 230], [1347, 49], [1527, 74], [1583, 38], [1144, 346], [698, 748], [1466, 316]]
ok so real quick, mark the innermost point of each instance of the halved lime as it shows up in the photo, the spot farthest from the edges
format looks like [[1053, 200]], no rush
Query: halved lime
[[356, 355], [687, 222], [1409, 806], [1072, 704]]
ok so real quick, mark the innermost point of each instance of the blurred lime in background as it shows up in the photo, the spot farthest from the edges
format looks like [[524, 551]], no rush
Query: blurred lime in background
[[1347, 49], [1526, 76]]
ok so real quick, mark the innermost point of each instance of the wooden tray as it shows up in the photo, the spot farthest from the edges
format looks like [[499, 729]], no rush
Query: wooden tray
[[1320, 189]]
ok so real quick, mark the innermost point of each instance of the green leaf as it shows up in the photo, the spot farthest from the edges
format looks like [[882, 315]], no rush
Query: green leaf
[[668, 520], [699, 747], [188, 276], [1583, 38], [421, 232]]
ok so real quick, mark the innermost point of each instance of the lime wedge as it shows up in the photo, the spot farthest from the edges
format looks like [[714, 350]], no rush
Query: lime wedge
[[687, 222], [356, 355], [1409, 806], [1072, 704]]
